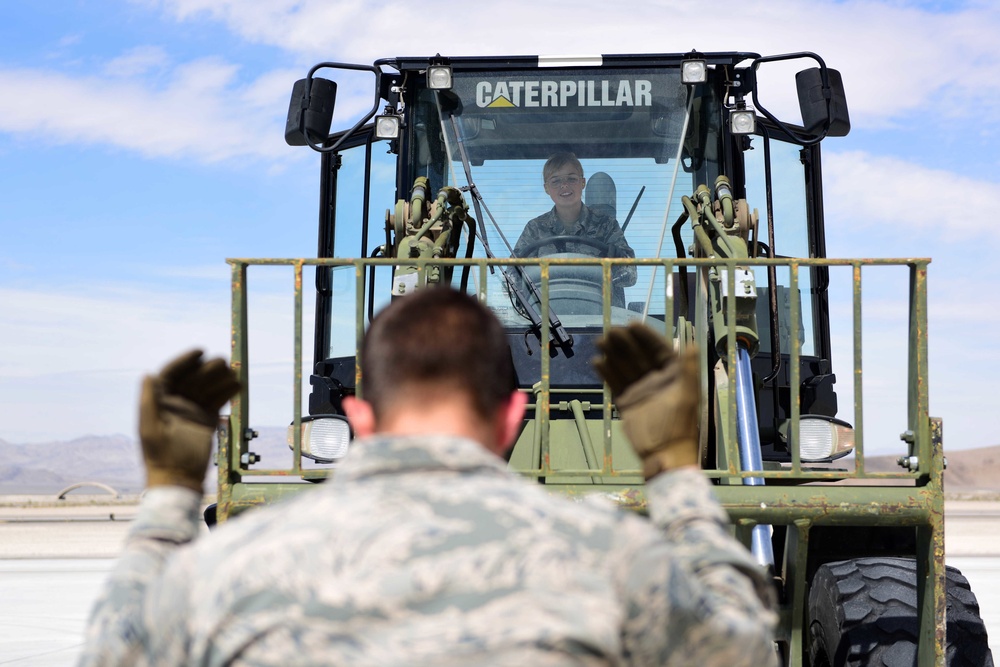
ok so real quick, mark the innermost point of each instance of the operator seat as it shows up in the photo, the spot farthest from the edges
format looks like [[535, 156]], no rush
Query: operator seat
[[600, 194]]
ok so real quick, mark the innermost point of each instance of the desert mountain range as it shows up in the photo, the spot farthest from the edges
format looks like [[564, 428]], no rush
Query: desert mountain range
[[48, 468]]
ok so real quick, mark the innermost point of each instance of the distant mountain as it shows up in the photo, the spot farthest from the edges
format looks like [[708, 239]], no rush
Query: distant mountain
[[969, 471], [48, 468]]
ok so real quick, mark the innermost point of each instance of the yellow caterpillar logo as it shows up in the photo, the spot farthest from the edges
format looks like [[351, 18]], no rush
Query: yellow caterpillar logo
[[564, 93]]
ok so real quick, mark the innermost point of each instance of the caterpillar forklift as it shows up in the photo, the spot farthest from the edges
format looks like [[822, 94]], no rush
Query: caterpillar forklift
[[720, 201]]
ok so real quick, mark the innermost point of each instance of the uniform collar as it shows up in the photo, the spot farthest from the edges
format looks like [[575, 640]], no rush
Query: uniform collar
[[385, 455], [556, 226]]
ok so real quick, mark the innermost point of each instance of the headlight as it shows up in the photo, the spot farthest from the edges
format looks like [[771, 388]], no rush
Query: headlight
[[439, 77], [387, 127], [325, 438], [742, 121], [694, 71], [821, 438]]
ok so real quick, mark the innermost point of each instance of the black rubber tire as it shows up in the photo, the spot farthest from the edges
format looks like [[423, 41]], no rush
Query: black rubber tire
[[863, 612]]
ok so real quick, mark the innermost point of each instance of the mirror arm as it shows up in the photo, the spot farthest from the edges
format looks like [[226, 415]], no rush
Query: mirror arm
[[782, 127], [377, 71]]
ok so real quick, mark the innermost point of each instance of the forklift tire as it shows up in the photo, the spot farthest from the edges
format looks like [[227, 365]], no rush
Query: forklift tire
[[864, 612]]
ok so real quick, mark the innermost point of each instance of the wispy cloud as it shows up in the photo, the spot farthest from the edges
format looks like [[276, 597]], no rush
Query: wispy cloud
[[203, 109], [137, 62], [911, 58], [866, 190], [200, 111]]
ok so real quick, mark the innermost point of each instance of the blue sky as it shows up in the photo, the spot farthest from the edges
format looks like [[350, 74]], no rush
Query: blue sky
[[141, 144]]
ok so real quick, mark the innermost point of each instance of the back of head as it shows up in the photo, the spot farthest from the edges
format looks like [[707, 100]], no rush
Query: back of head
[[438, 338]]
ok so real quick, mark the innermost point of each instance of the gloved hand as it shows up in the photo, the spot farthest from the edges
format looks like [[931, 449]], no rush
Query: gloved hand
[[657, 393], [178, 412]]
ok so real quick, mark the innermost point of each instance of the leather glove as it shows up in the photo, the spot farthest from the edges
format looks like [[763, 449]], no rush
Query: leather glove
[[178, 412], [657, 393]]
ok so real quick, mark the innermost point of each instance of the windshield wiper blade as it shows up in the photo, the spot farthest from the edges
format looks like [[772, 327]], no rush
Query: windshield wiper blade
[[559, 338]]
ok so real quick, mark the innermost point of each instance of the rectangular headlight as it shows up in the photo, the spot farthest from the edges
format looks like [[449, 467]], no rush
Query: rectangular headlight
[[387, 127], [439, 77], [742, 121], [694, 71], [325, 438]]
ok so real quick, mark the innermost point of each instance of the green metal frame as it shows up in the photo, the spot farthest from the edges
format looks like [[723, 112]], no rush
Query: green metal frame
[[785, 499]]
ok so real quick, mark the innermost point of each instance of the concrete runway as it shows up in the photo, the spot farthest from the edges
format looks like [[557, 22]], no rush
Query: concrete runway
[[53, 561]]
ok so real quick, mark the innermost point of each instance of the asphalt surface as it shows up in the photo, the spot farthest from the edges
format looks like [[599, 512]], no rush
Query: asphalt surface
[[54, 559]]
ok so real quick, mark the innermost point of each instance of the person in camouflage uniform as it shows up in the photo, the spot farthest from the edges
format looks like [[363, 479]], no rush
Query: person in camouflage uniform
[[423, 549], [564, 182]]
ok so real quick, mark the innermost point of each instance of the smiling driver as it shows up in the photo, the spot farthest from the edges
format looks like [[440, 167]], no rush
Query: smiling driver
[[564, 183]]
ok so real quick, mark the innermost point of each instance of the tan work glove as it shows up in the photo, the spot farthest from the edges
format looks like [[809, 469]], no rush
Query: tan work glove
[[178, 412], [656, 392]]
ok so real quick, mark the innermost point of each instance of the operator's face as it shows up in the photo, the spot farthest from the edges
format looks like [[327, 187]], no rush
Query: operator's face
[[565, 186]]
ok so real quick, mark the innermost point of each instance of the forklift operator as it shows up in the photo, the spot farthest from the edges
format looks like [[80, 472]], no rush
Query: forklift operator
[[564, 182]]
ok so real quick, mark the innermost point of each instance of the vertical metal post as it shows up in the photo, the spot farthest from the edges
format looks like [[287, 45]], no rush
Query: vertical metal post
[[606, 280], [359, 322], [544, 400], [927, 445], [297, 373], [859, 430], [229, 452]]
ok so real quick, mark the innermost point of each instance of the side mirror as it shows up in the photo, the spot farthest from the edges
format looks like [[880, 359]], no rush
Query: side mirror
[[817, 115], [310, 112]]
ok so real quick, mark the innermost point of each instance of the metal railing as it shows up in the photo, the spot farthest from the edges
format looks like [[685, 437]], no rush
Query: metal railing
[[918, 429], [796, 495]]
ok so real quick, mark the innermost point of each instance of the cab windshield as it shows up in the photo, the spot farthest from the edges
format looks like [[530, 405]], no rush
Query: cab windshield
[[624, 146]]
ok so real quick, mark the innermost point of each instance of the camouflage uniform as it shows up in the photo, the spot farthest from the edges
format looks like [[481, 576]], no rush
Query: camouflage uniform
[[591, 224], [426, 551]]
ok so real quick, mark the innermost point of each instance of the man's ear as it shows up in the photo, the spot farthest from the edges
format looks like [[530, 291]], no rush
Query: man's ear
[[509, 419], [361, 416]]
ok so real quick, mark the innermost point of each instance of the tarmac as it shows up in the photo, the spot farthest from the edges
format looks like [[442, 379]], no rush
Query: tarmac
[[55, 556], [95, 528]]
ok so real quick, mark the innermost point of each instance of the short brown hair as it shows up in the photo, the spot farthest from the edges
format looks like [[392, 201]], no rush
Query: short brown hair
[[557, 161], [438, 337]]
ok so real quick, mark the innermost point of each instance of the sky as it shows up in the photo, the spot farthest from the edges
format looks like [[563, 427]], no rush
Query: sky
[[141, 144]]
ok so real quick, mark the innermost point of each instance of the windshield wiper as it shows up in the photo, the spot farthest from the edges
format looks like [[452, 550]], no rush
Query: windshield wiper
[[450, 105]]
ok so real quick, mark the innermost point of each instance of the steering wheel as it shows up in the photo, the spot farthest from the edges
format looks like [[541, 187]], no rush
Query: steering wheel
[[603, 248]]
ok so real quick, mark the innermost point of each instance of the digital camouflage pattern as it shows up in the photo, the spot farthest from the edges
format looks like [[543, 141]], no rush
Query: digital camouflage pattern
[[591, 224], [426, 551]]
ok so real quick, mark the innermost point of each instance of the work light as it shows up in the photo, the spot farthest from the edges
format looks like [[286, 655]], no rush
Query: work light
[[694, 71], [325, 438], [439, 77], [387, 126], [742, 121]]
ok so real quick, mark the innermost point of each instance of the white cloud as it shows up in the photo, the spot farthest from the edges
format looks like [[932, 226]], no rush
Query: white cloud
[[105, 327], [200, 111], [863, 190], [895, 59], [137, 62], [203, 109]]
